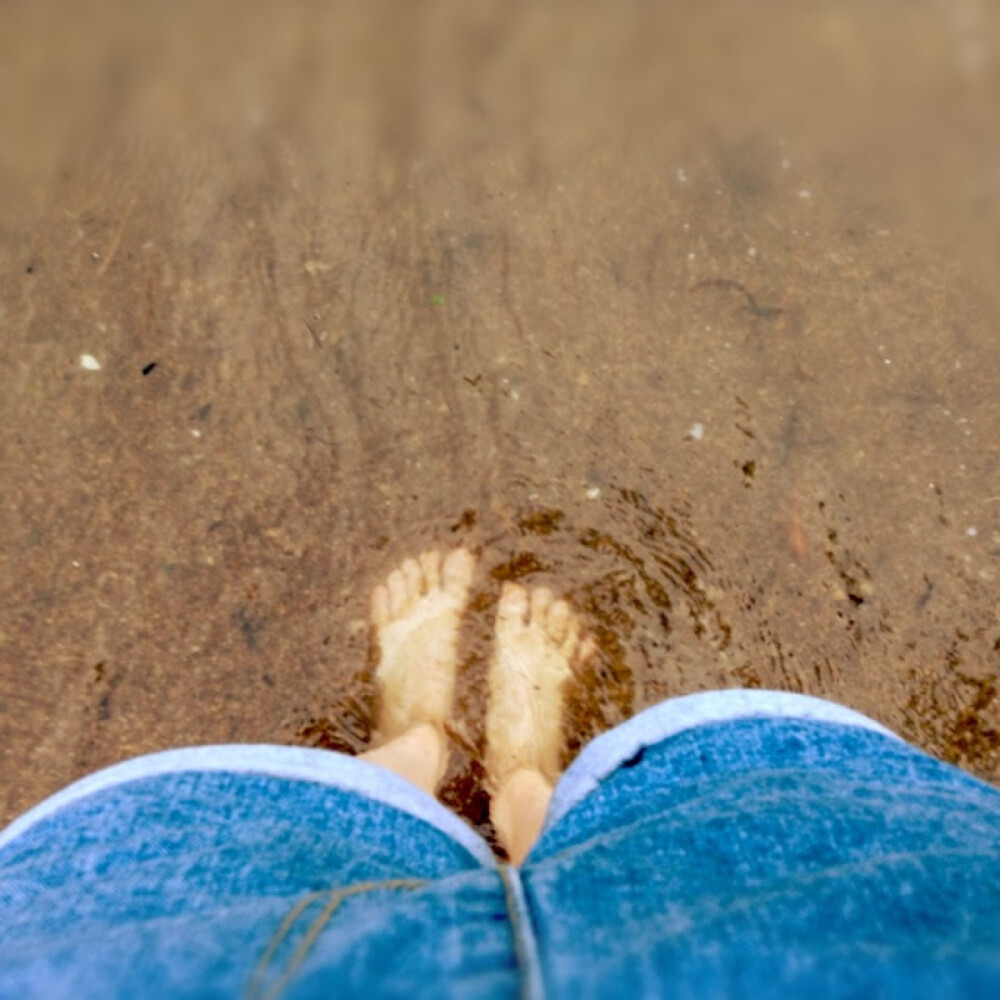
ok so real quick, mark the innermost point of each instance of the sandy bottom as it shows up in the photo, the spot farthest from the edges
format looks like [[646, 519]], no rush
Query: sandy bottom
[[679, 310]]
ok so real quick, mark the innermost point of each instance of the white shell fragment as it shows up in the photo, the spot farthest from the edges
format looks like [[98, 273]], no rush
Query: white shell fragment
[[90, 363]]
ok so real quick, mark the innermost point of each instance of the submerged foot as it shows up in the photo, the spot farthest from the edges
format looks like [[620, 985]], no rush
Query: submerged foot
[[416, 615], [538, 647]]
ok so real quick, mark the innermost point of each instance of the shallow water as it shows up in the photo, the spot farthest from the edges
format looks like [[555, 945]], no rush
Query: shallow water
[[684, 313]]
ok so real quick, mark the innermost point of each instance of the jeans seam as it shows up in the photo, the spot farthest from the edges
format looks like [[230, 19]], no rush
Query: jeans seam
[[525, 938]]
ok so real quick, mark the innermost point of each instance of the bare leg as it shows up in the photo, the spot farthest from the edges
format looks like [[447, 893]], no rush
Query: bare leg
[[420, 755], [518, 811], [538, 646], [416, 614]]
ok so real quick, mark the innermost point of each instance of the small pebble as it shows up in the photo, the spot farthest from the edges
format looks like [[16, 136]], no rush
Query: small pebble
[[697, 432], [90, 363]]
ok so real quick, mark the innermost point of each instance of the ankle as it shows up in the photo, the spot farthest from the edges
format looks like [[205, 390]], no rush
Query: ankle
[[518, 810], [419, 754]]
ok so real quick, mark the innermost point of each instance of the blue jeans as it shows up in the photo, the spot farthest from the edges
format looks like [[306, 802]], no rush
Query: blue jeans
[[728, 844]]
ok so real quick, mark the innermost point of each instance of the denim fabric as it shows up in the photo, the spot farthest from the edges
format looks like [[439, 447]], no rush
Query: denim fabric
[[224, 885], [733, 844], [773, 858]]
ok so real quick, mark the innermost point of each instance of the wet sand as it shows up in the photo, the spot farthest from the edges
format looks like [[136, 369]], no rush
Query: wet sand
[[681, 310]]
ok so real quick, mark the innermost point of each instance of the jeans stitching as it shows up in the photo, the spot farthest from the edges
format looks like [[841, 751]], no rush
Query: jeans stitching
[[525, 940], [256, 989]]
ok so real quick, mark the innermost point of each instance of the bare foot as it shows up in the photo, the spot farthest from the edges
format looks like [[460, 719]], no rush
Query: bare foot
[[416, 615], [538, 647]]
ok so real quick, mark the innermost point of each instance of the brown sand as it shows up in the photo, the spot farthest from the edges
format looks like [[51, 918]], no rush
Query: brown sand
[[682, 310]]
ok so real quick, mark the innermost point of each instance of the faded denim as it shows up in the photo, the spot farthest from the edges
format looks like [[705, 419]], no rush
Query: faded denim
[[730, 844]]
